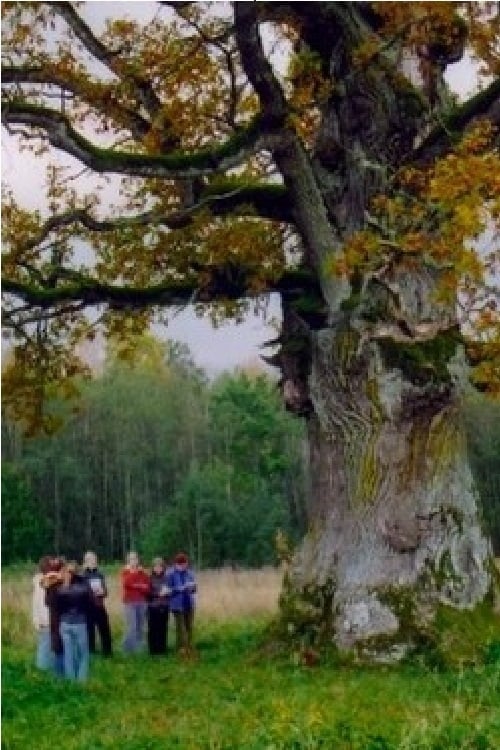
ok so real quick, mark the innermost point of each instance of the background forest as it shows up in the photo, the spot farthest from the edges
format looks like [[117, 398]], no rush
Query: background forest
[[153, 455]]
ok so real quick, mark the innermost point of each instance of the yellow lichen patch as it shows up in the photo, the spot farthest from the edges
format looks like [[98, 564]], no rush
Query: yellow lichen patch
[[345, 348], [445, 440], [416, 455], [432, 447], [368, 475]]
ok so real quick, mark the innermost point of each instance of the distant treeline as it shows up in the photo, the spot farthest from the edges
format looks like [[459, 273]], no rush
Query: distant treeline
[[158, 458]]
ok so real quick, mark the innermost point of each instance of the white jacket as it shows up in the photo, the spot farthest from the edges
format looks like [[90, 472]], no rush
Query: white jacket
[[40, 609]]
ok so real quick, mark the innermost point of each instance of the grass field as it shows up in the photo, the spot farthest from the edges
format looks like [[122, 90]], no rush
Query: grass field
[[236, 694]]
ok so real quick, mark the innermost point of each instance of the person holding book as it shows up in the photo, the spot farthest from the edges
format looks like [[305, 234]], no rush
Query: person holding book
[[98, 615], [135, 593]]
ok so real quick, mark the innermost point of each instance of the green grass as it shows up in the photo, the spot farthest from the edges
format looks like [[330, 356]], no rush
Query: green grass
[[237, 695]]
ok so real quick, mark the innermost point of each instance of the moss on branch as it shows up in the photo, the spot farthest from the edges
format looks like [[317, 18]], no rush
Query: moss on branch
[[423, 361], [453, 125], [216, 285], [91, 291], [60, 133]]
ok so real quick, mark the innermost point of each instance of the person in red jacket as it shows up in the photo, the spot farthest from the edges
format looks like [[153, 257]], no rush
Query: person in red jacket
[[135, 594]]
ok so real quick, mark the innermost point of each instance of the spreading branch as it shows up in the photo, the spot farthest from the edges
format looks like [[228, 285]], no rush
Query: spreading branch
[[139, 126], [220, 283], [61, 134], [268, 201], [18, 319], [91, 291], [484, 105]]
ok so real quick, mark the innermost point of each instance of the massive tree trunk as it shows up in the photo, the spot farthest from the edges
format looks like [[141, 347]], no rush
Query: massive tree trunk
[[394, 529]]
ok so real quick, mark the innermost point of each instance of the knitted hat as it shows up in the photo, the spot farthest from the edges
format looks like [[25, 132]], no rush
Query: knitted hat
[[181, 559]]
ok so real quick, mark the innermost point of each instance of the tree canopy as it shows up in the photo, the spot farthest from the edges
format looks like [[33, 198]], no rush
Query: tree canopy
[[230, 172]]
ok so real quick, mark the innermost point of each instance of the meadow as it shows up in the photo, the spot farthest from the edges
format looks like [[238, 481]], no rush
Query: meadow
[[237, 693]]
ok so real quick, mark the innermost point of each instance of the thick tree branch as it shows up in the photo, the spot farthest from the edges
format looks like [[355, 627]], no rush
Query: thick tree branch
[[267, 201], [220, 283], [257, 67], [206, 161], [90, 292], [308, 207], [138, 125], [484, 105]]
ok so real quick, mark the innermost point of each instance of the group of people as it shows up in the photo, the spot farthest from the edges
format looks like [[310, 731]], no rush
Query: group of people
[[69, 606]]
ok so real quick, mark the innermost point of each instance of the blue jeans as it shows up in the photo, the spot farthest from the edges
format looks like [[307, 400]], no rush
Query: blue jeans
[[135, 615], [44, 654], [76, 650]]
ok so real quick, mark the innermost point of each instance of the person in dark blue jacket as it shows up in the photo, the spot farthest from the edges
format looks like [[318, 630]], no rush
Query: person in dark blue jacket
[[72, 602], [181, 586]]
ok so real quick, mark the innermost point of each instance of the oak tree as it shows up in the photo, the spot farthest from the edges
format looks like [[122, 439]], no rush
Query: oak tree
[[351, 181]]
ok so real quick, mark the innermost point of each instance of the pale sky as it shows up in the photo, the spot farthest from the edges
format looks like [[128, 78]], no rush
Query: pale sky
[[218, 349]]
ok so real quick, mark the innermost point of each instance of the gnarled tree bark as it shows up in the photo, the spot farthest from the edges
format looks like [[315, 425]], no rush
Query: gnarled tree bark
[[393, 515]]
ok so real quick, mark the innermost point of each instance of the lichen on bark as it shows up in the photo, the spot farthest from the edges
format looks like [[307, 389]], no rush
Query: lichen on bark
[[394, 512]]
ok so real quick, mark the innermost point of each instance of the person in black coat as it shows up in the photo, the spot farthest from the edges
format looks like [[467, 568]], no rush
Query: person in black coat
[[98, 616], [158, 609]]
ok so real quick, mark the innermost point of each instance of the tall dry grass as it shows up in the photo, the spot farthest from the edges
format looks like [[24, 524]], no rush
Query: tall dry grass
[[223, 596]]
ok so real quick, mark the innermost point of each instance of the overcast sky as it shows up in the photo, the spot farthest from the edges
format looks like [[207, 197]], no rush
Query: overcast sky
[[214, 349]]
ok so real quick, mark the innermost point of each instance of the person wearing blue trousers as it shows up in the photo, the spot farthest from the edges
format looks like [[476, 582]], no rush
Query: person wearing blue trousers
[[181, 586], [73, 601], [45, 657], [135, 594]]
